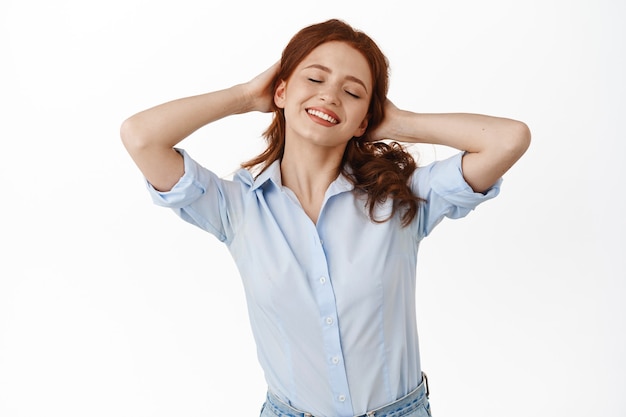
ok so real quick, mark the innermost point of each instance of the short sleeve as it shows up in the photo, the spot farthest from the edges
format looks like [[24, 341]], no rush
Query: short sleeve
[[202, 198], [446, 192]]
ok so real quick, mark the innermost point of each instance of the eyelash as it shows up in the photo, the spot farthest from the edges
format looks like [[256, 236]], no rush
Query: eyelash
[[346, 91]]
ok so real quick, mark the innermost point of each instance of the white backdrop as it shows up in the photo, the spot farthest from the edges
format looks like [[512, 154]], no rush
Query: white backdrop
[[110, 306]]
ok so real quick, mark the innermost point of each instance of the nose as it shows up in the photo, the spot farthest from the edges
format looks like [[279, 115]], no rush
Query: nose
[[329, 94]]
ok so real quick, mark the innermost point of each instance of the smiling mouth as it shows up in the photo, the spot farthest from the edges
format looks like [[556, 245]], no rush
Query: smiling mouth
[[322, 116]]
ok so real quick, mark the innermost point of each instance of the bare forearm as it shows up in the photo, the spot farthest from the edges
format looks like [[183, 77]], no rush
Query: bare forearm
[[463, 131], [167, 124], [493, 144]]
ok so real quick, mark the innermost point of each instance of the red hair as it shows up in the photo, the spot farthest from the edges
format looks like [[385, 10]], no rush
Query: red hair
[[378, 169]]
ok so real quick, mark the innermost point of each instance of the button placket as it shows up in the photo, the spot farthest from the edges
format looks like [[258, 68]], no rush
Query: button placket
[[328, 316]]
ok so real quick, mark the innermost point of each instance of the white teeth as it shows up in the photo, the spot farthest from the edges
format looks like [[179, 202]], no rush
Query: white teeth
[[321, 115]]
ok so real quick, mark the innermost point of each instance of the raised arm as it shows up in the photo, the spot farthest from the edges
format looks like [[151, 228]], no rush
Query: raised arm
[[493, 144], [150, 136]]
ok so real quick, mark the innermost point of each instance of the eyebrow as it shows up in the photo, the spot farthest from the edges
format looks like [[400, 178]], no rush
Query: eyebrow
[[348, 77]]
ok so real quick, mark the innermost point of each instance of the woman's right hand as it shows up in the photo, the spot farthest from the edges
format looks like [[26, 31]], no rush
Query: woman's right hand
[[258, 91]]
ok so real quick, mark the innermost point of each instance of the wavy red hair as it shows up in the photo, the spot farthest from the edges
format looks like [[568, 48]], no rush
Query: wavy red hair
[[379, 170]]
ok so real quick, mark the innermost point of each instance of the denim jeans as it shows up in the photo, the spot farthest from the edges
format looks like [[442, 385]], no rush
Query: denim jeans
[[415, 404]]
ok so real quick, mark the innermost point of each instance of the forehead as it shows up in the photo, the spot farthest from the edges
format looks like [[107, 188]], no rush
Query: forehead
[[340, 58]]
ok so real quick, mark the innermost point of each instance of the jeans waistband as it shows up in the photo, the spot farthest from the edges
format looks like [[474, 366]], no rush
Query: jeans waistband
[[414, 399]]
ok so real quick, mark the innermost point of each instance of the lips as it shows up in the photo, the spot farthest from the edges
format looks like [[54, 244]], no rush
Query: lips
[[324, 115]]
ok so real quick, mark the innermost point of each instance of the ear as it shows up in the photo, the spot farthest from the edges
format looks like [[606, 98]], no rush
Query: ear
[[279, 95], [362, 127]]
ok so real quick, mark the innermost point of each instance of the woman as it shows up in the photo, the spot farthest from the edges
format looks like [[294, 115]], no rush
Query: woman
[[325, 236]]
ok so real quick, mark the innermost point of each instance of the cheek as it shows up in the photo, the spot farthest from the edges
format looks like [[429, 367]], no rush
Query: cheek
[[307, 89], [361, 111]]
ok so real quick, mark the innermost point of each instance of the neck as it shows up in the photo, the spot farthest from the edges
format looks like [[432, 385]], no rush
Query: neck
[[308, 173]]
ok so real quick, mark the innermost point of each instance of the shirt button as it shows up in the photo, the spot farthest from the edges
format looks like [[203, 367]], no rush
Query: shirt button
[[329, 320], [322, 280], [335, 360], [341, 398]]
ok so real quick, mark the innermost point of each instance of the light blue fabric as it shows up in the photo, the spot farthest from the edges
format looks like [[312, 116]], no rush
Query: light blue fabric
[[415, 404], [332, 304]]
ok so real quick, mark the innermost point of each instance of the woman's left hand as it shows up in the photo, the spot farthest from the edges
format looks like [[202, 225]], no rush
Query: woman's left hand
[[388, 128]]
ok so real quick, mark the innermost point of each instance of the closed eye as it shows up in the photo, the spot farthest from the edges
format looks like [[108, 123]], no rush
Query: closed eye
[[352, 94], [314, 80]]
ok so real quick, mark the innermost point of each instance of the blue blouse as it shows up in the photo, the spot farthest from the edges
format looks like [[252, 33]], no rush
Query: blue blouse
[[332, 304]]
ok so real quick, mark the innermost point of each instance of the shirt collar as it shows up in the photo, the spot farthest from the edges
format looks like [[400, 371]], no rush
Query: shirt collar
[[272, 173]]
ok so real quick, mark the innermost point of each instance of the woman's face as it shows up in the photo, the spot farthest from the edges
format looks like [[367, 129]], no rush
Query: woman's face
[[326, 98]]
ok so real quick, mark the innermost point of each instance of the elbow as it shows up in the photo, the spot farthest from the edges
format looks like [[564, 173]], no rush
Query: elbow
[[518, 139], [131, 135]]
